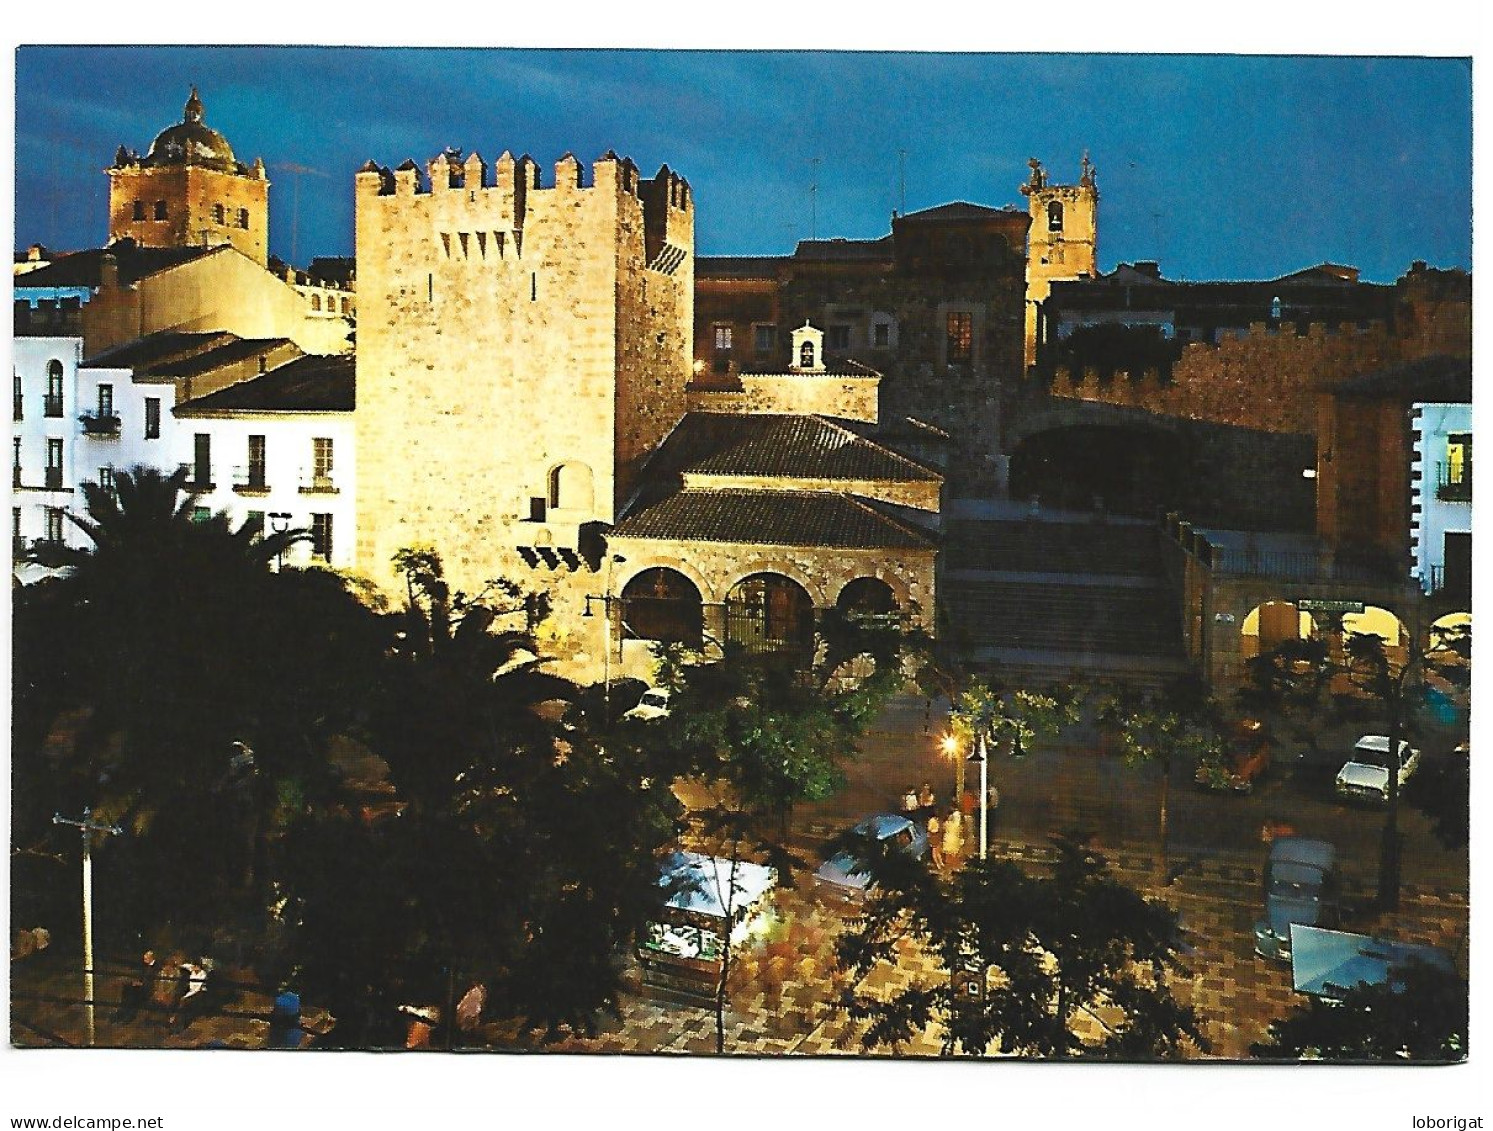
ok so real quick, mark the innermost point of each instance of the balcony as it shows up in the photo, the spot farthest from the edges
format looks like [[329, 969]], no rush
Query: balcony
[[19, 547], [314, 484], [20, 402], [199, 479], [15, 476], [54, 479], [103, 426], [51, 405], [1454, 484], [250, 480]]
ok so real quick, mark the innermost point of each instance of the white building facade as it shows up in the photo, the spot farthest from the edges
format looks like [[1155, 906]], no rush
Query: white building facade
[[1441, 497]]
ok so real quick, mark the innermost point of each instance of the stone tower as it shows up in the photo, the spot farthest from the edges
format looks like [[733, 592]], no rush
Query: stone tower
[[522, 349], [190, 191], [1063, 239]]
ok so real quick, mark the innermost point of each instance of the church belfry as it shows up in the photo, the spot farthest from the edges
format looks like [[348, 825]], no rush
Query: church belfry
[[190, 191], [1062, 242]]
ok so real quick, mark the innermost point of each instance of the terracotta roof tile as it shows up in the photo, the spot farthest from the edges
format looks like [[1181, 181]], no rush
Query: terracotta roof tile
[[772, 518]]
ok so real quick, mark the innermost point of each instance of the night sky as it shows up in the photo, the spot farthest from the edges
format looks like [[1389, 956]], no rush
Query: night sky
[[1219, 166]]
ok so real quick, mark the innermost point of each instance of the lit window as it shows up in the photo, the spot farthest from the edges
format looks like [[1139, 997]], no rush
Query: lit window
[[722, 338], [960, 337]]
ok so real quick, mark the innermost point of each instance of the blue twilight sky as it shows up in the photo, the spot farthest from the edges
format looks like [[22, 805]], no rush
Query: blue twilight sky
[[1218, 166]]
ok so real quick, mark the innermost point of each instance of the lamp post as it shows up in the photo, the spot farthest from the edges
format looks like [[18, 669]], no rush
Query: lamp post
[[950, 745], [87, 827], [980, 756], [606, 600], [279, 523]]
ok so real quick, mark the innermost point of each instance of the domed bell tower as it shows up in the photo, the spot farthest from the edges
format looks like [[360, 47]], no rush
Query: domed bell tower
[[1062, 242], [190, 191]]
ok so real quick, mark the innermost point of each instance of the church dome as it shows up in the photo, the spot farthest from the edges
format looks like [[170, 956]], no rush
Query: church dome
[[191, 142]]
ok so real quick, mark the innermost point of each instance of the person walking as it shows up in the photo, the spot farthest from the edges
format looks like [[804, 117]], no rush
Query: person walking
[[935, 841], [953, 839]]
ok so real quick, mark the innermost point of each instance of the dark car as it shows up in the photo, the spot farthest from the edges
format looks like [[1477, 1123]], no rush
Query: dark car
[[843, 876], [1301, 886]]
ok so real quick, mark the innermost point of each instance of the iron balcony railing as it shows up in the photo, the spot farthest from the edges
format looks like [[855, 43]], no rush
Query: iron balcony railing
[[1294, 565], [318, 484], [250, 479], [20, 404], [51, 405], [54, 478], [1454, 484], [100, 424]]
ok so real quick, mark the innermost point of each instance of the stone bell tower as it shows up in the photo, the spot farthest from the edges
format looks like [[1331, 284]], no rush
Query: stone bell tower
[[1062, 242]]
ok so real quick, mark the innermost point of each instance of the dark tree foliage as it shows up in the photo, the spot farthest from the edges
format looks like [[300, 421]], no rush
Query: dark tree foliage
[[1419, 1014], [1068, 965], [525, 855], [167, 648]]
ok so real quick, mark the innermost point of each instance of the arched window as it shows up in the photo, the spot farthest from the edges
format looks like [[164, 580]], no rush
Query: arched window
[[316, 302], [219, 213], [1055, 216], [345, 307], [160, 210], [662, 604], [571, 488], [867, 598]]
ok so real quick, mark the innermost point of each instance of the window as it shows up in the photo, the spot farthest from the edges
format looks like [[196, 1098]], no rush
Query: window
[[256, 520], [139, 210], [152, 418], [53, 404], [321, 461], [54, 464], [316, 302], [54, 524], [18, 414], [881, 335], [321, 537], [202, 458], [15, 528], [106, 479], [959, 344], [1055, 216], [201, 514], [219, 214], [722, 339], [243, 218], [839, 338], [764, 338], [160, 210], [106, 400], [256, 461], [15, 468], [1454, 477]]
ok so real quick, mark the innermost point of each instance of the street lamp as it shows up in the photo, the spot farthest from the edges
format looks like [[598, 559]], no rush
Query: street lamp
[[950, 746], [279, 523], [606, 600], [87, 827], [980, 756]]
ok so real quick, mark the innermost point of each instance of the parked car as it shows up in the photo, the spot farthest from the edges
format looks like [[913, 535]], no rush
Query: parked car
[[1246, 756], [1366, 775], [843, 875], [1301, 886], [653, 705]]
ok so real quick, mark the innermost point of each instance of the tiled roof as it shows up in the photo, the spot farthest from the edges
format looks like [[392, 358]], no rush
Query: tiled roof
[[812, 447], [962, 210], [314, 383], [81, 268], [239, 349], [772, 518], [153, 349]]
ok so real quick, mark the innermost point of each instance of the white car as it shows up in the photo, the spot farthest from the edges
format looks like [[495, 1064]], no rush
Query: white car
[[1366, 776], [653, 705]]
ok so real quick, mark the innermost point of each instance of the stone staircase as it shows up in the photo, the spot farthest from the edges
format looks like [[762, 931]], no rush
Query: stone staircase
[[1060, 597]]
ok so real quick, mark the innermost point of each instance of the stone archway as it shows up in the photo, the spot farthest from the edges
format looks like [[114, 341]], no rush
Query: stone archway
[[662, 604], [1270, 624], [867, 598], [769, 613]]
